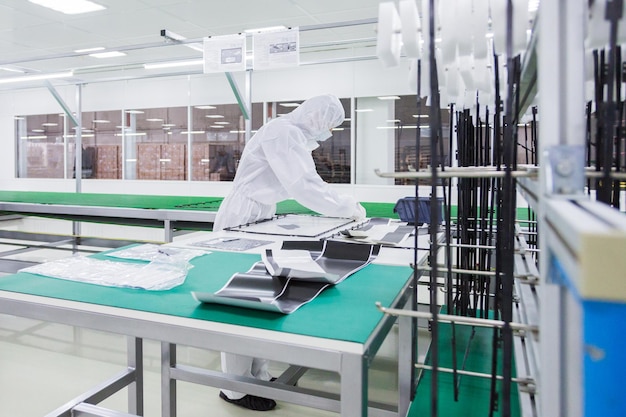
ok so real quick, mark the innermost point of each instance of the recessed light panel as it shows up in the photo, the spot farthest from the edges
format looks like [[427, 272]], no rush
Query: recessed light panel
[[69, 6]]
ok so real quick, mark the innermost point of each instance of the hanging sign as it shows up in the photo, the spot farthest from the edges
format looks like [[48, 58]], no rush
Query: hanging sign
[[276, 49], [225, 53]]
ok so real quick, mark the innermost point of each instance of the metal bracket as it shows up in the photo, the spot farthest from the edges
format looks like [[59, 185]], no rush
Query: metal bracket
[[565, 173]]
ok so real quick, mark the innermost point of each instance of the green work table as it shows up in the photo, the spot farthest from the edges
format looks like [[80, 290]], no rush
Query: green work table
[[169, 212], [339, 331]]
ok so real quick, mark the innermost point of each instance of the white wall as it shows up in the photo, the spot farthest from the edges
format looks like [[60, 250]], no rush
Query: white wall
[[359, 79]]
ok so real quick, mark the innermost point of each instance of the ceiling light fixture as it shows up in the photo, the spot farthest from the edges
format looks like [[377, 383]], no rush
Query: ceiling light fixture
[[9, 69], [389, 98], [173, 64], [69, 6], [207, 107], [37, 77], [110, 54], [266, 29], [214, 116], [97, 48], [289, 104]]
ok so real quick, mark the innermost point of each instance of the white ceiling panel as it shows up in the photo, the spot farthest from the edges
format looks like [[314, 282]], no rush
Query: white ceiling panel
[[29, 32]]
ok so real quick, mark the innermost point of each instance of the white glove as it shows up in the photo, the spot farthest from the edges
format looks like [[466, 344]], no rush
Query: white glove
[[359, 213]]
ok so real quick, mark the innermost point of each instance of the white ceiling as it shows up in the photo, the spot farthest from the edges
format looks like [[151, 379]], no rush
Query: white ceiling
[[36, 39]]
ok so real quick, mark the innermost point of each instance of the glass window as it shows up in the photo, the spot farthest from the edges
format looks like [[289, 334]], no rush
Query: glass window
[[218, 140], [40, 146], [387, 137], [155, 143]]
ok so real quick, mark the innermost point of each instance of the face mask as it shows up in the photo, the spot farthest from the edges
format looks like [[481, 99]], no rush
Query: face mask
[[325, 135], [312, 145]]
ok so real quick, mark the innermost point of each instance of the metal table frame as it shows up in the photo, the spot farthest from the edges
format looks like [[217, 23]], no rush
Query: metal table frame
[[350, 360]]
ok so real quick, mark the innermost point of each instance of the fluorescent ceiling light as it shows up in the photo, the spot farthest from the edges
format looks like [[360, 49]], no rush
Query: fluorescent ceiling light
[[134, 112], [206, 107], [337, 129], [389, 98], [347, 119], [214, 116], [398, 127], [49, 124], [70, 6], [266, 29], [38, 130], [173, 64], [97, 48], [421, 116], [289, 104], [33, 137], [110, 54], [168, 125], [363, 110], [193, 132], [222, 123], [36, 77], [165, 160], [100, 121], [394, 121], [217, 127], [154, 120], [19, 118], [237, 131], [9, 69], [131, 134], [82, 136]]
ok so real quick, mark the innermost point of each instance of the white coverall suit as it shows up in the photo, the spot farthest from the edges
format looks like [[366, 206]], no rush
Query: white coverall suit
[[276, 165]]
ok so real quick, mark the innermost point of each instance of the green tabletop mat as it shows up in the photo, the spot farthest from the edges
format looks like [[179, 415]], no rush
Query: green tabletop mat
[[162, 202], [474, 391], [345, 311]]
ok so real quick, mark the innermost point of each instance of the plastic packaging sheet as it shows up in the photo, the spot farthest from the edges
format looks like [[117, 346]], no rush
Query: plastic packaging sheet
[[151, 252], [162, 274]]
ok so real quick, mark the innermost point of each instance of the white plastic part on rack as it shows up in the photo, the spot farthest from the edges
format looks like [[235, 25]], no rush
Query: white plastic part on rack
[[410, 20], [520, 26], [389, 38], [598, 28], [498, 26], [482, 75], [413, 75], [453, 82], [466, 68], [463, 13], [480, 26], [449, 33], [425, 78]]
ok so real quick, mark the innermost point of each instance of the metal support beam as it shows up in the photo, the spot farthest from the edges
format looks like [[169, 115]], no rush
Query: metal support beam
[[241, 100]]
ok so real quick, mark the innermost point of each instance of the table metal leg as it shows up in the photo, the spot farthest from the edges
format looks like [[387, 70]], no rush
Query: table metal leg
[[168, 384], [406, 347], [135, 361], [354, 383]]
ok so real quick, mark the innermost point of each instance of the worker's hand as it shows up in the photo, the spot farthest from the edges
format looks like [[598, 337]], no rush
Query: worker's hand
[[359, 213]]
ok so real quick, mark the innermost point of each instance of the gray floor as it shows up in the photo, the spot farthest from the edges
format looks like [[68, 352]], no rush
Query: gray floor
[[43, 365]]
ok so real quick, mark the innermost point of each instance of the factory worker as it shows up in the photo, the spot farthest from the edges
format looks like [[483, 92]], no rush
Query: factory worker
[[276, 165]]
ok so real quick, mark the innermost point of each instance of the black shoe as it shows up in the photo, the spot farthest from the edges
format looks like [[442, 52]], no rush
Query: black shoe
[[251, 402]]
